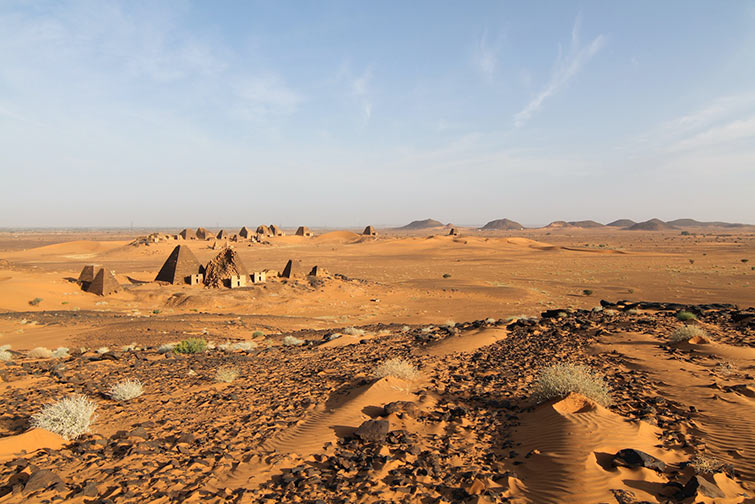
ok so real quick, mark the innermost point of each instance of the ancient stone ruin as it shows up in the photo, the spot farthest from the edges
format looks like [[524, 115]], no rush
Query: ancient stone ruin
[[317, 271], [369, 231], [86, 276], [188, 234], [245, 232], [290, 270], [104, 283], [276, 230], [221, 234], [220, 271], [453, 232], [264, 230], [203, 234], [179, 267], [303, 231]]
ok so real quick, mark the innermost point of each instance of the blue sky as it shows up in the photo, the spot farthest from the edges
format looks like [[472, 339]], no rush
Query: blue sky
[[351, 113]]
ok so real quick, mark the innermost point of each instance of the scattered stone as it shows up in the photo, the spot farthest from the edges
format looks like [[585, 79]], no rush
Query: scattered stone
[[373, 430]]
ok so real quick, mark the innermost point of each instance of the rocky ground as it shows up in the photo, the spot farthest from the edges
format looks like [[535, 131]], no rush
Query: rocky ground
[[272, 435]]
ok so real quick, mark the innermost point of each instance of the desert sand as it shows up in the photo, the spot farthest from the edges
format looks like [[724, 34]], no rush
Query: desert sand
[[309, 416]]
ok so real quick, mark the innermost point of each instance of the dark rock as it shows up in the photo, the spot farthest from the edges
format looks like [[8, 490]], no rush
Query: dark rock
[[698, 484], [41, 480], [373, 430], [636, 458], [406, 407]]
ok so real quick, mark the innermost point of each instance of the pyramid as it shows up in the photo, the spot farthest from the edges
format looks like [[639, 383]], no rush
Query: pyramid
[[225, 265], [303, 231], [264, 230], [369, 231], [87, 274], [202, 233], [179, 266], [221, 234], [104, 283], [317, 271], [245, 232], [276, 230], [188, 234], [453, 232], [289, 270]]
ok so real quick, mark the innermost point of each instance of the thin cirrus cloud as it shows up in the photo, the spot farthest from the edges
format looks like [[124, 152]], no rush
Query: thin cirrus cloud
[[486, 56], [567, 66]]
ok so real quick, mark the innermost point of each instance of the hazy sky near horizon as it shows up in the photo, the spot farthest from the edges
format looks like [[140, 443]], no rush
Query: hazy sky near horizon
[[351, 113]]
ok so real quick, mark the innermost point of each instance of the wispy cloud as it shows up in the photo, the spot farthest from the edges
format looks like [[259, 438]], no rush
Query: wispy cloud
[[567, 66], [360, 88], [266, 95], [486, 56]]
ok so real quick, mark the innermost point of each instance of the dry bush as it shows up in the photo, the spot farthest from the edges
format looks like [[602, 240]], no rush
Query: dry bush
[[399, 368], [353, 331], [167, 347], [702, 464], [559, 380], [226, 374], [685, 333], [5, 356], [244, 346], [103, 350], [292, 341], [69, 417], [191, 346], [126, 390], [61, 353], [40, 353]]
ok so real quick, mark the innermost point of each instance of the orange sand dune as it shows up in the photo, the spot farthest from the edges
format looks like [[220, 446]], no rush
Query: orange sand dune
[[28, 442], [337, 237], [571, 441], [466, 341]]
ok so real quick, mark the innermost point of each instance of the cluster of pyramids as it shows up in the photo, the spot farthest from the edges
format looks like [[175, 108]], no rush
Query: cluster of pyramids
[[244, 233], [226, 269], [101, 283]]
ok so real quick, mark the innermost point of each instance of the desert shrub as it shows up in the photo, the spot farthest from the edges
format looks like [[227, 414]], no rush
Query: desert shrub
[[128, 348], [684, 316], [449, 324], [35, 301], [258, 334], [126, 390], [191, 346], [587, 292], [5, 356], [156, 312], [69, 417], [60, 352], [405, 328], [103, 350], [745, 260], [40, 353], [446, 275], [399, 368], [167, 347], [244, 346], [226, 374], [353, 331], [686, 333], [292, 341], [702, 464], [559, 380]]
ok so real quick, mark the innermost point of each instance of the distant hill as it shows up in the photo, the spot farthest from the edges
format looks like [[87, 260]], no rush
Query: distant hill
[[559, 224], [694, 223], [586, 224], [501, 224], [622, 223], [650, 225], [422, 224]]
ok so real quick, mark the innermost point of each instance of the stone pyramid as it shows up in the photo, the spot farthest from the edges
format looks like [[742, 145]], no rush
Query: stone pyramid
[[225, 265], [369, 231], [181, 263], [245, 232], [104, 283], [202, 233], [290, 269], [87, 274], [188, 234]]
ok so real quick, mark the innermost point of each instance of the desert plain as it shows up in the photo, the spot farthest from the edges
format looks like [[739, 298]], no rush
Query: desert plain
[[413, 367]]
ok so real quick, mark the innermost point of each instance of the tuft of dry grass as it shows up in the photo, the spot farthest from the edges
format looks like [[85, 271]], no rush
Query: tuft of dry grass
[[399, 368], [69, 417], [226, 374], [5, 356], [292, 341], [353, 331], [685, 333], [702, 464], [61, 353], [40, 353], [126, 390], [559, 380]]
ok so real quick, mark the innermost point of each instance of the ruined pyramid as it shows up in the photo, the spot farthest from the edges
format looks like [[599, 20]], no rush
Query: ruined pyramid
[[180, 265]]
